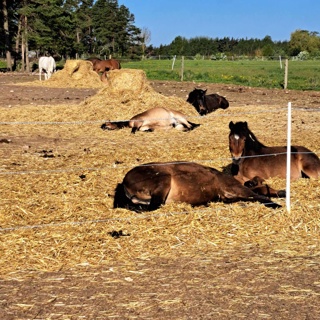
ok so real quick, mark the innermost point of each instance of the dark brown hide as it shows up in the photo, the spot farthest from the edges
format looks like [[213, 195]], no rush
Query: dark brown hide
[[147, 187], [258, 186], [93, 60], [204, 103], [106, 65], [255, 159]]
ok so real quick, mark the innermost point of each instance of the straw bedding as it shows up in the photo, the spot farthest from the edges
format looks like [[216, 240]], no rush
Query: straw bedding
[[60, 171]]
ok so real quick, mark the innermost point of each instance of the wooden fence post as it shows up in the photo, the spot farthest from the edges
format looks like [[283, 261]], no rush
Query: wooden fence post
[[280, 62], [182, 67], [173, 61], [286, 74]]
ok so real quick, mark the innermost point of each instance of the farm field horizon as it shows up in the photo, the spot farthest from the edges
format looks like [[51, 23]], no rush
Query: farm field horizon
[[260, 73], [302, 75]]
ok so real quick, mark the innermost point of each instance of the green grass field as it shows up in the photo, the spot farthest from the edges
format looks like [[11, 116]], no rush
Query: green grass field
[[302, 75]]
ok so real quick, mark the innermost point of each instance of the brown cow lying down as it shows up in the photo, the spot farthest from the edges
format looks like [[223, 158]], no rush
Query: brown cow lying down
[[148, 186], [206, 103], [153, 119]]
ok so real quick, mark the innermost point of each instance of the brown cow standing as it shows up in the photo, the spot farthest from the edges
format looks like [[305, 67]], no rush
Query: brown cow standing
[[103, 66], [106, 65]]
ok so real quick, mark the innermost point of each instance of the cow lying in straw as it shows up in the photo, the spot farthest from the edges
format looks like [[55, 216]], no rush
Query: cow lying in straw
[[256, 159], [147, 187], [206, 103], [153, 119]]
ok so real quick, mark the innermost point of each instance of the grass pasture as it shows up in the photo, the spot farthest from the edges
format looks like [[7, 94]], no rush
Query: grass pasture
[[302, 75]]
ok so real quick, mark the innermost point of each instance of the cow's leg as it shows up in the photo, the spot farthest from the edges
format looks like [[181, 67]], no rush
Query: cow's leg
[[180, 127], [237, 192], [144, 128], [134, 130], [257, 185], [160, 194]]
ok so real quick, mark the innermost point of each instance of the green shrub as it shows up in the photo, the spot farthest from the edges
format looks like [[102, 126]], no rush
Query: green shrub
[[3, 64]]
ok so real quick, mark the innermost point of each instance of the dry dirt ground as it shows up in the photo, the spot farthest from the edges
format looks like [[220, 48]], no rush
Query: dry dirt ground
[[230, 284], [15, 95]]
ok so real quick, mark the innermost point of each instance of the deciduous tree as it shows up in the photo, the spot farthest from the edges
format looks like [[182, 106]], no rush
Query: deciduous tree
[[303, 40]]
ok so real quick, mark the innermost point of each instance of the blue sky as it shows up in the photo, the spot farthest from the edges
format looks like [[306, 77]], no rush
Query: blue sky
[[167, 19]]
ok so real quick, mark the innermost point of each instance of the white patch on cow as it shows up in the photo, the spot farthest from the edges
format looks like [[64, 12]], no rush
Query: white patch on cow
[[48, 66], [236, 136], [251, 137]]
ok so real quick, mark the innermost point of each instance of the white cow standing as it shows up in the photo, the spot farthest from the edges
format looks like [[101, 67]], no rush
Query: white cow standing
[[48, 66]]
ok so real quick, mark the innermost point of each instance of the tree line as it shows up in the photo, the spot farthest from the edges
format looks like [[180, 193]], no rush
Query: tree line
[[67, 28], [301, 41], [77, 28]]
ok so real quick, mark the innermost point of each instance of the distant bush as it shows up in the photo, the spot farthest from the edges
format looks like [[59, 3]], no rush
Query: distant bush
[[198, 56], [219, 56], [303, 55]]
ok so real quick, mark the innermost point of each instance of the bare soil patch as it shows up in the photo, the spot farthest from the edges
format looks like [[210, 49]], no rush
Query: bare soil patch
[[221, 262], [12, 94]]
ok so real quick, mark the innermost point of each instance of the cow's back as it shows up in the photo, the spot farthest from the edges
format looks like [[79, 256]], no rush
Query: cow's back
[[47, 63]]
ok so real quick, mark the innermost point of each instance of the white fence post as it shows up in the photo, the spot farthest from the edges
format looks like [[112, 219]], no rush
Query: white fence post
[[288, 158]]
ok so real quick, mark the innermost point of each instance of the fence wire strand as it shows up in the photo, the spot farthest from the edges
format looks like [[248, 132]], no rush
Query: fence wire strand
[[118, 166]]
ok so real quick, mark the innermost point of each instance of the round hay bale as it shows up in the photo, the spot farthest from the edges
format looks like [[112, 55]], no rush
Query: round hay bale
[[127, 93], [75, 74], [71, 66], [125, 80], [78, 69], [78, 73]]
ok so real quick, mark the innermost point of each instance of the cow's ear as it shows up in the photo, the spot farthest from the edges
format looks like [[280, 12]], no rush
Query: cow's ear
[[245, 124], [231, 125], [205, 90]]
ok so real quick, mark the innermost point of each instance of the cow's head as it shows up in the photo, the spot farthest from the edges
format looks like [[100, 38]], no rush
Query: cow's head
[[197, 99]]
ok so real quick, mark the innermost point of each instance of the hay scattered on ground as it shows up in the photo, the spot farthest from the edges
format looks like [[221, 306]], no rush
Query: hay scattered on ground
[[127, 93], [59, 183]]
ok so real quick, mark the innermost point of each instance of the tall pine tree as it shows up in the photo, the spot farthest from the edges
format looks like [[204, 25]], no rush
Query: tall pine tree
[[113, 28]]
